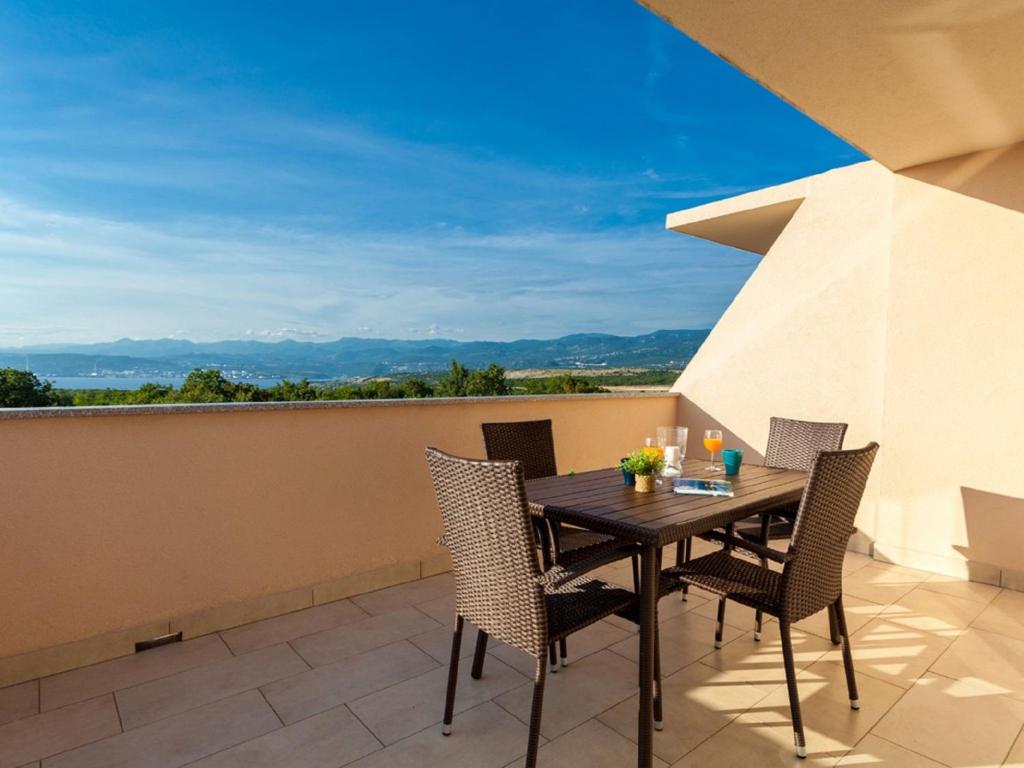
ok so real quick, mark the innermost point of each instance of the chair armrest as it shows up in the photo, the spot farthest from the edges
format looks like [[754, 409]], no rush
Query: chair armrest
[[761, 551], [598, 556]]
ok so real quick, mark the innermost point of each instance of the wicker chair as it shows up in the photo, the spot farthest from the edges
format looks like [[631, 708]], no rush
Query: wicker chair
[[811, 577], [499, 584], [792, 444], [532, 444]]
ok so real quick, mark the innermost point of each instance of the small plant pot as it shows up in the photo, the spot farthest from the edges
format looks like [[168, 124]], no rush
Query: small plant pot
[[627, 477], [645, 483]]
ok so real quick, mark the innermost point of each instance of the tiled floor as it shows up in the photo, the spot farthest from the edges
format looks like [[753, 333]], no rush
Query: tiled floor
[[361, 682]]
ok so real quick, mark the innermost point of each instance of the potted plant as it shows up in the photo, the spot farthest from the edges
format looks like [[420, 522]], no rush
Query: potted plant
[[644, 465]]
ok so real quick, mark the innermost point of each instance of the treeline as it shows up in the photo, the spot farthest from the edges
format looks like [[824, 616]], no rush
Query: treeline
[[22, 389]]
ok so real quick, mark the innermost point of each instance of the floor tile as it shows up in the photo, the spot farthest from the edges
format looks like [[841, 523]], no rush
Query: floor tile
[[684, 639], [760, 663], [281, 629], [440, 609], [1016, 757], [881, 585], [339, 643], [874, 752], [591, 745], [1004, 615], [438, 642], [326, 687], [579, 692], [410, 706], [894, 653], [108, 676], [698, 701], [970, 590], [327, 740], [594, 638], [484, 737], [739, 616], [854, 561], [932, 612], [186, 690], [985, 660], [953, 722], [407, 594], [178, 740], [39, 736], [18, 701]]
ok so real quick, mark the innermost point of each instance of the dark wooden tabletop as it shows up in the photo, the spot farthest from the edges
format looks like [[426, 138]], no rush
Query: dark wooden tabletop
[[599, 501]]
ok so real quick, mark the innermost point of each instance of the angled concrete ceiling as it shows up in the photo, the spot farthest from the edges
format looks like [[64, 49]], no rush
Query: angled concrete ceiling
[[906, 81]]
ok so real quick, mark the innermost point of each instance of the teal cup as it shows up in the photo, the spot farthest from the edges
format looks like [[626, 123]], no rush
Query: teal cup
[[731, 460]]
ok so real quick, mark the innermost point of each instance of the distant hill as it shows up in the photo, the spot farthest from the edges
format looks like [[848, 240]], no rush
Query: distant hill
[[352, 357]]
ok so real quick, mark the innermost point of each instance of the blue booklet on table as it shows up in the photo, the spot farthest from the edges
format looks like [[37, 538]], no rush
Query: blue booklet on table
[[694, 486]]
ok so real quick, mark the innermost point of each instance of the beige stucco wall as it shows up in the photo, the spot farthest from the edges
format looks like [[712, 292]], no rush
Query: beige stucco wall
[[119, 521], [895, 302]]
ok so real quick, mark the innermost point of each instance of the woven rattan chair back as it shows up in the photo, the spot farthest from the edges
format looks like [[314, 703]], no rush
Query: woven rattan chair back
[[488, 532], [813, 579], [793, 444], [531, 443]]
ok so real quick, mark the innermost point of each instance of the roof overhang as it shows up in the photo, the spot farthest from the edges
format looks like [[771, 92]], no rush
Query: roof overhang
[[750, 222], [906, 81]]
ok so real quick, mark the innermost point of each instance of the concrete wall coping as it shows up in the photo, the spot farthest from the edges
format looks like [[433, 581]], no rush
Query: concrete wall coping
[[13, 414]]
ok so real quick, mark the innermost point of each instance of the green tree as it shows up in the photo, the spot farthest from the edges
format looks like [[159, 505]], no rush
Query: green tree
[[288, 390], [21, 389], [487, 382], [417, 388], [453, 384], [206, 387]]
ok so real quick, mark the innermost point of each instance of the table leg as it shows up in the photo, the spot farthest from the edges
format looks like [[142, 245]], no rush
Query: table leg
[[648, 607]]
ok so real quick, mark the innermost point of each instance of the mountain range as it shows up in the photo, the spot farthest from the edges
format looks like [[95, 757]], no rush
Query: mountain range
[[351, 357]]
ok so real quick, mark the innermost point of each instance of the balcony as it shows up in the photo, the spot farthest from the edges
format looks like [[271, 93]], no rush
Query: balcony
[[315, 610]]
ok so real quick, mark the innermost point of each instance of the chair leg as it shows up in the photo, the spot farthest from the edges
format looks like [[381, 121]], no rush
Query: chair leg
[[658, 714], [634, 561], [479, 654], [720, 625], [683, 553], [833, 625], [535, 715], [794, 696], [453, 677], [563, 651], [766, 524], [553, 657], [851, 679]]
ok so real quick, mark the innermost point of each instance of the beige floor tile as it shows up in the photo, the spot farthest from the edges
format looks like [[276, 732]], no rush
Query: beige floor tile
[[438, 642], [880, 583], [410, 706], [594, 638], [88, 682], [281, 629], [322, 688], [1004, 615], [18, 701], [970, 590], [1016, 757], [341, 642], [684, 639], [893, 652], [992, 662], [39, 736], [440, 609], [577, 693], [854, 561], [483, 737], [178, 740], [954, 722], [932, 612], [760, 663], [591, 745], [858, 613], [739, 616], [169, 696], [405, 595], [327, 740], [698, 701], [873, 752], [763, 736]]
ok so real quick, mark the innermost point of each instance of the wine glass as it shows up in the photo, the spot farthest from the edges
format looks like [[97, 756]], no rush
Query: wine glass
[[713, 443]]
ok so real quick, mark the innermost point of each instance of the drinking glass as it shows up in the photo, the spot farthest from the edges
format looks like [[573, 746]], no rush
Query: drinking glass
[[672, 441], [713, 443]]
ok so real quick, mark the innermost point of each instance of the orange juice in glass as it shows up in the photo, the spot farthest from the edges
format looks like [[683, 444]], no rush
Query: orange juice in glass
[[713, 444]]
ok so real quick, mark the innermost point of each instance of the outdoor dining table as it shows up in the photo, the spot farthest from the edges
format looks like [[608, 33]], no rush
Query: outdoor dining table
[[599, 501]]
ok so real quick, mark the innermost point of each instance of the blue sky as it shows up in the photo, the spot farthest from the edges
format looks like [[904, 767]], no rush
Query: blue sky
[[312, 170]]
